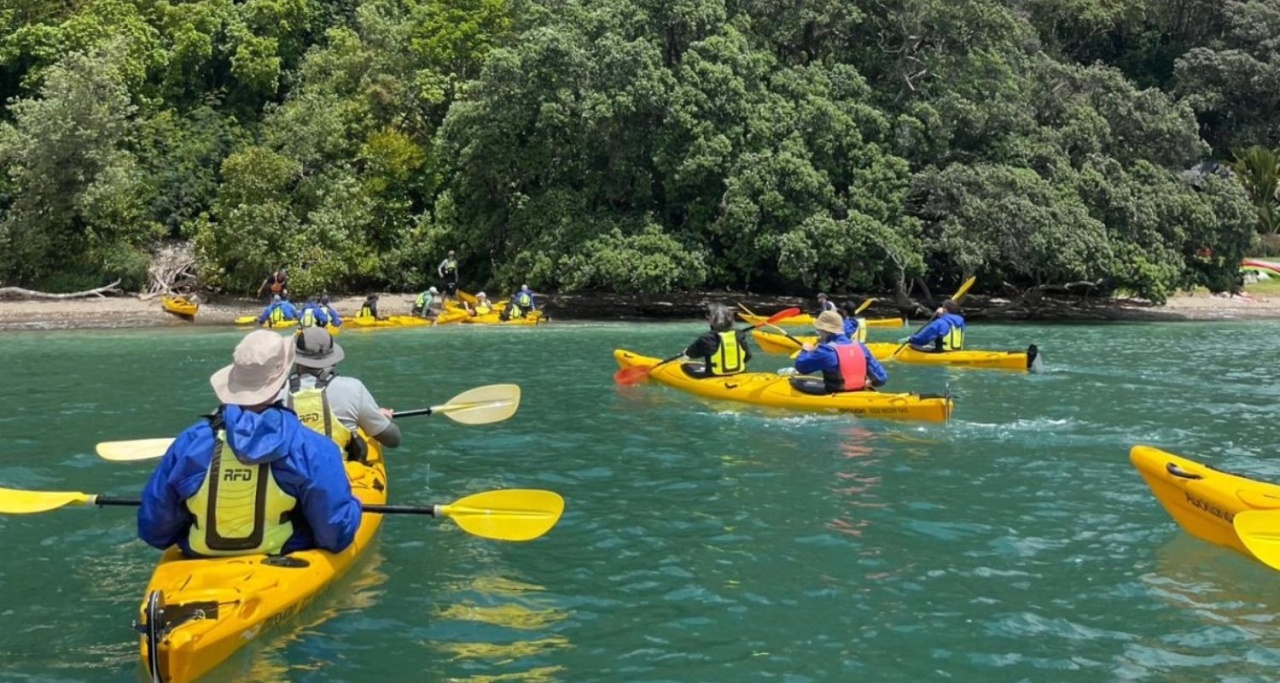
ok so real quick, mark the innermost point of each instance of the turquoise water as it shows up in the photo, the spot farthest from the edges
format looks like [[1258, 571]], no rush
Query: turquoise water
[[701, 541]]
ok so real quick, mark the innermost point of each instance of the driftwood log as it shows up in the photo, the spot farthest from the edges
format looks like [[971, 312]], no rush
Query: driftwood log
[[24, 294], [172, 269]]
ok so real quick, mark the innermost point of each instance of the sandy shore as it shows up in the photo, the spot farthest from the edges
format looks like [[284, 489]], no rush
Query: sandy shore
[[129, 311]]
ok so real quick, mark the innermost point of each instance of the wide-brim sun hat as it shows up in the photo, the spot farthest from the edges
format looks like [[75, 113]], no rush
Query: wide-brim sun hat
[[830, 321], [316, 349], [259, 369]]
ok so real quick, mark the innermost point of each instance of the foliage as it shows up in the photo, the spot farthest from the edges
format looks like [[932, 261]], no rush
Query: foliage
[[641, 145]]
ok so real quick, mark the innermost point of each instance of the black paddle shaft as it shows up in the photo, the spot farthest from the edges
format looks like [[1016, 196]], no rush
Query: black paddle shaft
[[409, 413]]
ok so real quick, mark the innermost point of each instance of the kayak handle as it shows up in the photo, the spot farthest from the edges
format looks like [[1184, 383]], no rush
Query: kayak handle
[[1179, 472]]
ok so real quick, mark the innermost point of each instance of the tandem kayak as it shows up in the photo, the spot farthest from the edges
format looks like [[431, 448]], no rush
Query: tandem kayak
[[768, 389], [1028, 360], [197, 612], [807, 320], [1202, 500], [179, 305]]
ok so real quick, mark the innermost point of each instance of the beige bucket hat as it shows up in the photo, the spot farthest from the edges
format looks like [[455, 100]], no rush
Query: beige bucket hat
[[830, 321], [259, 369]]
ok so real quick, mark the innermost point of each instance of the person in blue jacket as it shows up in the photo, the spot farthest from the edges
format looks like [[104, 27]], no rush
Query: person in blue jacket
[[251, 478], [278, 311], [330, 311], [845, 364], [312, 314], [851, 322], [945, 333]]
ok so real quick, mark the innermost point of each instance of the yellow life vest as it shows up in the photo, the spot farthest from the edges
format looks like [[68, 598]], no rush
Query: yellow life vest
[[277, 314], [365, 312], [953, 340], [308, 318], [484, 309], [239, 509], [312, 407], [524, 300], [730, 359], [424, 300]]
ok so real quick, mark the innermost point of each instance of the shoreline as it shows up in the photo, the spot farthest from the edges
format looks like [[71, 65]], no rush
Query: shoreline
[[128, 311]]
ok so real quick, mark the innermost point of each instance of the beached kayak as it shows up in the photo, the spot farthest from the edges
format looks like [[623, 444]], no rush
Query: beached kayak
[[385, 323], [179, 305], [807, 320], [772, 342], [198, 612], [1202, 500], [533, 318], [768, 389]]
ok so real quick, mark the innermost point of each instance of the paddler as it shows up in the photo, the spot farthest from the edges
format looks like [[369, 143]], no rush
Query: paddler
[[448, 272], [251, 478], [278, 311], [368, 309], [429, 304], [723, 350], [945, 333], [482, 306], [277, 283], [316, 392], [329, 311], [845, 364], [312, 315], [851, 328], [825, 304]]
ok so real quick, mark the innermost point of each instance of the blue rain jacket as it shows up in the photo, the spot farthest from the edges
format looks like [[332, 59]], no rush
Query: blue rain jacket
[[290, 313], [824, 358], [306, 465], [936, 330], [332, 313], [322, 317], [850, 327]]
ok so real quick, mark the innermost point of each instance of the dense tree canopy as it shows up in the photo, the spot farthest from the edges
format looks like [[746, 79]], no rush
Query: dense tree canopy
[[641, 145]]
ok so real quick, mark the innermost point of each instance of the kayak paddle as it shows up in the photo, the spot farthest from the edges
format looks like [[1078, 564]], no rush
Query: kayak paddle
[[504, 515], [964, 289], [639, 373], [865, 305], [773, 319], [1259, 530], [482, 405]]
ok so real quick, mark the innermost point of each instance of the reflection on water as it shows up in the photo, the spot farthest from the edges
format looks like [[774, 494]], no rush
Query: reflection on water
[[503, 620], [854, 487]]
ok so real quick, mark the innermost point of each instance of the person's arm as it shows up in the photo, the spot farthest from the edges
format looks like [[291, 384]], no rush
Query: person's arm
[[877, 372], [335, 318], [162, 517], [817, 360], [373, 420], [746, 347], [703, 346], [266, 313], [930, 332], [440, 268], [326, 500]]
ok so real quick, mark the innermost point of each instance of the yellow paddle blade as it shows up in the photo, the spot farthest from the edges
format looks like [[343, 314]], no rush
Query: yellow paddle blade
[[1259, 530], [964, 289], [18, 502], [865, 305], [138, 449], [467, 297], [482, 405], [507, 515]]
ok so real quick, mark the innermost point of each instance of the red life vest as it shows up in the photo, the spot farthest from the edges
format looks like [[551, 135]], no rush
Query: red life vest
[[853, 366]]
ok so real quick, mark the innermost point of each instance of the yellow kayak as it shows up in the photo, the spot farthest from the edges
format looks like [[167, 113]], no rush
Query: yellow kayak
[[772, 342], [768, 389], [179, 305], [495, 318], [203, 610], [388, 322], [282, 325], [1203, 500], [807, 320]]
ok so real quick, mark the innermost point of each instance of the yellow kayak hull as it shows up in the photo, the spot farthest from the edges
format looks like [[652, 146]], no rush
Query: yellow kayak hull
[[283, 325], [215, 606], [768, 389], [533, 318], [1202, 500], [179, 305], [771, 342], [807, 320], [388, 322]]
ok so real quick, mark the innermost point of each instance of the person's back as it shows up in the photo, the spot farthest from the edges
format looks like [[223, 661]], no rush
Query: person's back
[[251, 479], [723, 350], [944, 333], [845, 364], [312, 315], [278, 311], [330, 312], [317, 391], [369, 309]]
